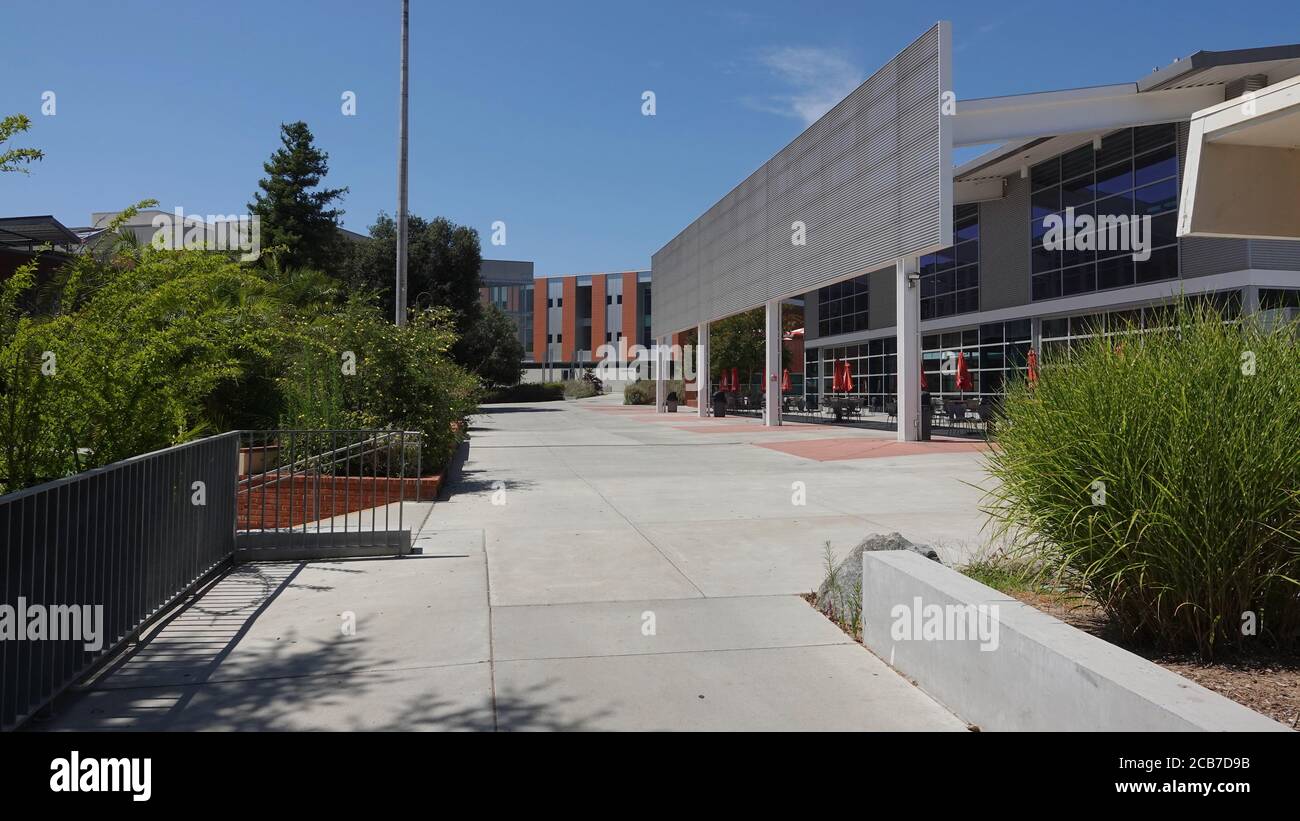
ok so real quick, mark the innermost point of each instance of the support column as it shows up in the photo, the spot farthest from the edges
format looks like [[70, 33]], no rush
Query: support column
[[772, 390], [908, 327], [703, 389], [1250, 300], [661, 387]]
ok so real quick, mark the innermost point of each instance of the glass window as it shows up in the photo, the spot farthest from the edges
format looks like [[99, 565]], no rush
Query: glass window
[[1115, 179], [1156, 198], [1076, 162], [1156, 165], [1045, 174], [1115, 147], [950, 277], [1133, 174], [1046, 286], [842, 307], [1116, 272], [1163, 264], [1078, 280], [1152, 136]]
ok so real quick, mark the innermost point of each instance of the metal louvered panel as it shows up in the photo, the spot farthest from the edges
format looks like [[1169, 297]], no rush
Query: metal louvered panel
[[1275, 254], [1202, 256], [869, 180]]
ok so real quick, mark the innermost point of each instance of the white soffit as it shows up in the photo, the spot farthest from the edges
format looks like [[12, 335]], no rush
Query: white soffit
[[1243, 167], [1103, 108]]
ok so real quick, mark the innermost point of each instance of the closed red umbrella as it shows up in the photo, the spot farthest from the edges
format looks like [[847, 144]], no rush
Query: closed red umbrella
[[735, 380], [786, 387], [1032, 372], [839, 376], [964, 381], [924, 386], [848, 376]]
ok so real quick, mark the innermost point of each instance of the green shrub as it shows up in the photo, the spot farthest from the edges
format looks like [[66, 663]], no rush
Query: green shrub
[[404, 377], [144, 351], [642, 392], [579, 389], [135, 349], [1160, 470], [527, 392]]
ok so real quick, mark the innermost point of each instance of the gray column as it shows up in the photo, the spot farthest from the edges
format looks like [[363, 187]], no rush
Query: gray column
[[772, 414], [661, 387], [908, 296], [1250, 300], [703, 389]]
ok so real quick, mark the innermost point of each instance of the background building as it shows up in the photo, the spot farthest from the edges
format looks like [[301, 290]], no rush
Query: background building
[[574, 315], [508, 284]]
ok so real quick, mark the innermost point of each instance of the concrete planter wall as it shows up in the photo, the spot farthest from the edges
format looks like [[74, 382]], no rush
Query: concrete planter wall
[[1039, 674]]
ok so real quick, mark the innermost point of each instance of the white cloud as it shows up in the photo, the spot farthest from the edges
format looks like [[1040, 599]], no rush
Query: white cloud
[[816, 78]]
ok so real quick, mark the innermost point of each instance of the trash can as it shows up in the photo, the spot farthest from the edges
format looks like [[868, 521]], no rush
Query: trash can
[[720, 403], [671, 402], [924, 433]]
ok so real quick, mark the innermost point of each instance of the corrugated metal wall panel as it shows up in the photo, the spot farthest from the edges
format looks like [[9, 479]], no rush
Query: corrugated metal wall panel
[[1202, 256], [866, 180], [1274, 254]]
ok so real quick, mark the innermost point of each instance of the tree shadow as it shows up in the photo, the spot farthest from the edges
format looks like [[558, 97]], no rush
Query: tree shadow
[[187, 676], [482, 481]]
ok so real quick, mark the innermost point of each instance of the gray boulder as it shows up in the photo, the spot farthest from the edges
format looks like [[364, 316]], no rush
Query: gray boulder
[[844, 588]]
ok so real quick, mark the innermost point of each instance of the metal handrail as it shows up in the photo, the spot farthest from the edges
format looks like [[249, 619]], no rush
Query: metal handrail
[[133, 537]]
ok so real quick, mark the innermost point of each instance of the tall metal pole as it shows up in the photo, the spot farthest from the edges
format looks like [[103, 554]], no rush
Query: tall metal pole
[[401, 177]]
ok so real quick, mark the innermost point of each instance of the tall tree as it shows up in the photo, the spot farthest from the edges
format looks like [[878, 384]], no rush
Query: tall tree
[[444, 260], [295, 211], [16, 159], [490, 347], [740, 342]]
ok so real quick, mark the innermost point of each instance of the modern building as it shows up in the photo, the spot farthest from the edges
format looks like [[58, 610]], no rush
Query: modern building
[[575, 316], [910, 260], [564, 321], [42, 239], [508, 284]]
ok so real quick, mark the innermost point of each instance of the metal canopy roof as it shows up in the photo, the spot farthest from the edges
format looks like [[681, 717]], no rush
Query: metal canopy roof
[[1216, 67], [1201, 70], [29, 232]]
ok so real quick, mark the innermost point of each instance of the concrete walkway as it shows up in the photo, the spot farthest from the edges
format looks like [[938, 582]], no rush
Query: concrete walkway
[[598, 568]]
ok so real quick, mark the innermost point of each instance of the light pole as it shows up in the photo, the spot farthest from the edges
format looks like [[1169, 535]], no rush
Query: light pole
[[400, 306]]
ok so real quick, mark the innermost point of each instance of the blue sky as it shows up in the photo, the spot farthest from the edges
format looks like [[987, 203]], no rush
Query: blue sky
[[525, 112]]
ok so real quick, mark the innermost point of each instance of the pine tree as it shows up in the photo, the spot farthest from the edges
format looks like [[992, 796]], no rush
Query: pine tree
[[295, 212]]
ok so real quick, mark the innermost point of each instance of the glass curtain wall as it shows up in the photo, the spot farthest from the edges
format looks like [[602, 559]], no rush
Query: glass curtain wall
[[993, 351], [1133, 175]]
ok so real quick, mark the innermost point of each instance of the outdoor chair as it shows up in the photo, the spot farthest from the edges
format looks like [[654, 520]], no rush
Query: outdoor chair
[[956, 414]]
